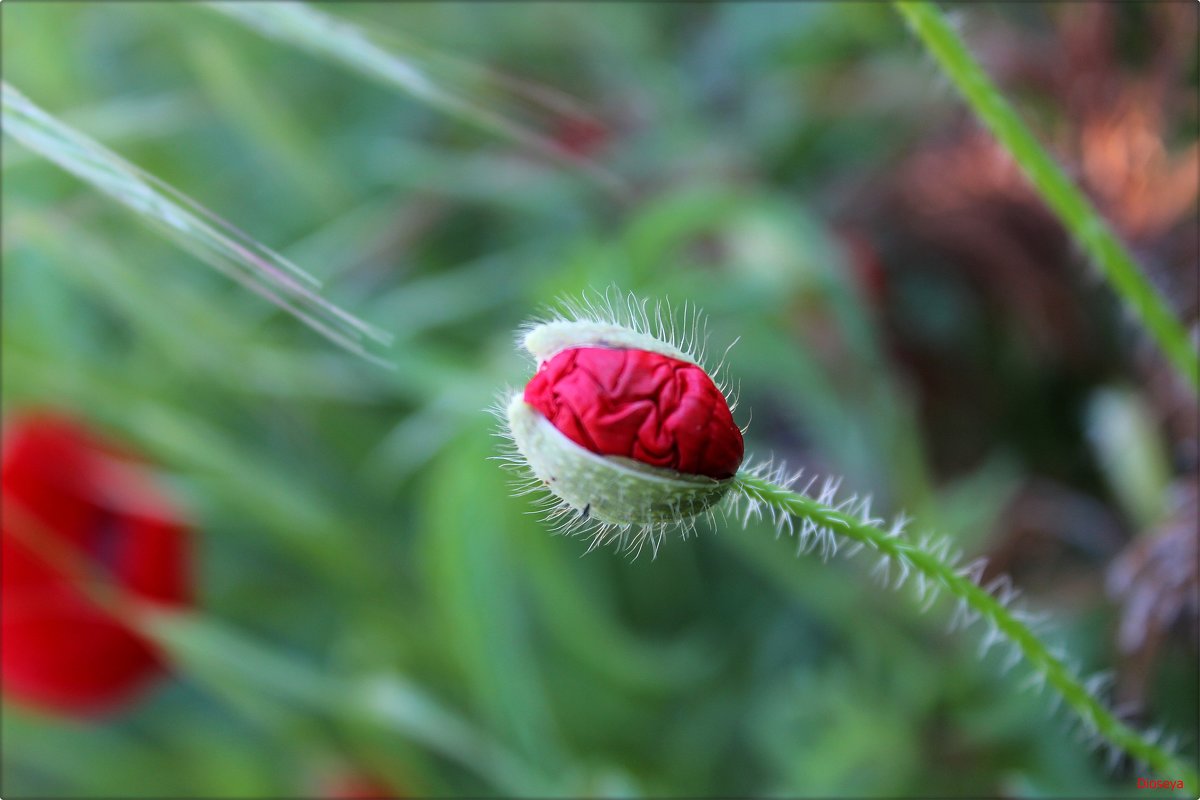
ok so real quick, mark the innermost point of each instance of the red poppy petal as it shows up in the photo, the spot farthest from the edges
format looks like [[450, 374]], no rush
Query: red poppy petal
[[60, 650], [62, 653], [642, 405]]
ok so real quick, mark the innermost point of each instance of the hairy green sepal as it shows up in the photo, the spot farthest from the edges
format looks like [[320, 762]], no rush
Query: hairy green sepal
[[609, 489]]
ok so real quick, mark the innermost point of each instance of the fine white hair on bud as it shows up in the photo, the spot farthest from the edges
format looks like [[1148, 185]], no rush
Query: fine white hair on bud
[[622, 319], [612, 489], [547, 339]]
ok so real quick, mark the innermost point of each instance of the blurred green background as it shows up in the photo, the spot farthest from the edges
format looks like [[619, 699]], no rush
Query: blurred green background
[[373, 601]]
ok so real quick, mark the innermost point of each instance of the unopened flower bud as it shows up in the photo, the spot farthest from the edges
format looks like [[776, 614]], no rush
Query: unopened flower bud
[[623, 427]]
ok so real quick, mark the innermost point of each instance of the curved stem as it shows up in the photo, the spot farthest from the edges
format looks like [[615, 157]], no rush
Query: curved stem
[[960, 583], [1067, 202]]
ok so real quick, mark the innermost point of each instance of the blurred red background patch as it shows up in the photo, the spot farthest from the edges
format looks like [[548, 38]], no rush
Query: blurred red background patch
[[355, 786], [582, 137], [72, 504]]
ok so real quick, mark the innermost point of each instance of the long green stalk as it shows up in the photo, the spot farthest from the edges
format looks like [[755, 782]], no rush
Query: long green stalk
[[1071, 206], [939, 570]]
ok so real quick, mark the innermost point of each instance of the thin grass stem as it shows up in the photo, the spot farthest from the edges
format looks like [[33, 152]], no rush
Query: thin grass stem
[[434, 78], [1069, 204], [189, 224]]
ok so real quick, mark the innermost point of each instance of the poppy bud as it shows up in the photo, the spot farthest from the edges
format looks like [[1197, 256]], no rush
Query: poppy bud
[[622, 426], [67, 494]]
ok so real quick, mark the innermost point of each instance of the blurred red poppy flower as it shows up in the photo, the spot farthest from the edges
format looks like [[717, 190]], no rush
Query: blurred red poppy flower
[[353, 786], [76, 509], [641, 405]]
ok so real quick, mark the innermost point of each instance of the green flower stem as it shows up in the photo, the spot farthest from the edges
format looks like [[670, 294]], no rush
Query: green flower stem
[[1071, 206], [1036, 653]]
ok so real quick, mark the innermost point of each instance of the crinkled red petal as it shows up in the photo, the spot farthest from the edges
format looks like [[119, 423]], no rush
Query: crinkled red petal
[[642, 405]]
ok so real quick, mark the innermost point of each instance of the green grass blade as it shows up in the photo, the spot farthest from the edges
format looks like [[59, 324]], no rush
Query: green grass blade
[[1071, 206], [469, 549], [433, 78], [185, 221], [222, 658]]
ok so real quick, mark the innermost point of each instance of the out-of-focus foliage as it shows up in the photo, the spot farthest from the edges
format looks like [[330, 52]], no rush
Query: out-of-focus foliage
[[372, 599]]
